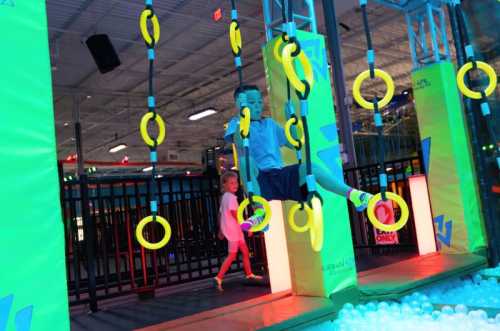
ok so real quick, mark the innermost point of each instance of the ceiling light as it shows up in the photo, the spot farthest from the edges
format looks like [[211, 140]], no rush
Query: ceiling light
[[117, 148], [188, 172], [202, 114], [66, 123], [217, 148], [147, 169], [89, 96], [159, 176], [405, 92]]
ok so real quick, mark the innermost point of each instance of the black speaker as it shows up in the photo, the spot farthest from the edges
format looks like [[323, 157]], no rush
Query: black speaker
[[103, 52]]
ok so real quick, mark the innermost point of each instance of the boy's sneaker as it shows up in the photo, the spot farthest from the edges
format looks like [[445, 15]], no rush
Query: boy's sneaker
[[254, 277], [360, 199], [252, 221]]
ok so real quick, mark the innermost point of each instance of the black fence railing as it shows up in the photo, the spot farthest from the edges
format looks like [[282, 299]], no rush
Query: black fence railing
[[105, 232], [366, 178], [120, 265]]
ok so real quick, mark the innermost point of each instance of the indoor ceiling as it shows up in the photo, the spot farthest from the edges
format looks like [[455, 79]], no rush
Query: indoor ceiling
[[194, 69]]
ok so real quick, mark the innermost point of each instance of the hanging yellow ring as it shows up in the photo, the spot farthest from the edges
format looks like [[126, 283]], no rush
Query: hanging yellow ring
[[143, 24], [403, 219], [267, 212], [289, 68], [144, 129], [146, 244], [245, 121], [276, 49], [294, 142], [235, 37], [316, 232], [484, 67], [309, 218], [356, 89]]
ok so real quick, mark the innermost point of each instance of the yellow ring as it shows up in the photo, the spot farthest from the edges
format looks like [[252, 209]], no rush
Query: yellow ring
[[245, 121], [291, 218], [289, 68], [144, 27], [144, 129], [403, 219], [235, 37], [267, 212], [484, 67], [146, 244], [356, 89], [316, 232], [295, 143], [276, 49]]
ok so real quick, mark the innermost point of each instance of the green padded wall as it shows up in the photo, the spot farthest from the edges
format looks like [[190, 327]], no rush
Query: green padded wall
[[447, 159], [331, 271], [33, 293]]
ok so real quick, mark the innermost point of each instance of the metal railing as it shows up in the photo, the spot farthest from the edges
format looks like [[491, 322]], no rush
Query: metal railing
[[120, 265]]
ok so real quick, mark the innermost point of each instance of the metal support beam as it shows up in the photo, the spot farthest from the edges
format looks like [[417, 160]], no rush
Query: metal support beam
[[339, 82]]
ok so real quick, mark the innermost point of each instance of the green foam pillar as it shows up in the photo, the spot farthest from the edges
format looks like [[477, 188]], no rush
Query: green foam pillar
[[448, 160], [33, 292], [331, 271]]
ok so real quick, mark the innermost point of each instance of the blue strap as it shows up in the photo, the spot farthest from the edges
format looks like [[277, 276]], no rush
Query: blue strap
[[304, 109], [237, 61], [154, 206], [234, 14], [382, 180], [469, 51], [249, 186], [311, 183], [151, 101], [151, 53], [153, 156], [485, 108], [246, 142], [291, 29], [377, 117]]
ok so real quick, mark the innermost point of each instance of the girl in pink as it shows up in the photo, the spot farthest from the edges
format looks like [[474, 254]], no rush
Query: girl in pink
[[230, 229]]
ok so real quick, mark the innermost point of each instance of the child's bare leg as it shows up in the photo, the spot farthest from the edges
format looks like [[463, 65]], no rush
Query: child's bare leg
[[224, 268], [246, 258]]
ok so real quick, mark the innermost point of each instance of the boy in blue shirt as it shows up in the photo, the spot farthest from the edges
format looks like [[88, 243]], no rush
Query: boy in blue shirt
[[278, 182]]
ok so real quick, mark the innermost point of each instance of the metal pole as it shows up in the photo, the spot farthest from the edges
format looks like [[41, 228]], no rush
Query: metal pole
[[78, 135], [339, 82], [89, 229]]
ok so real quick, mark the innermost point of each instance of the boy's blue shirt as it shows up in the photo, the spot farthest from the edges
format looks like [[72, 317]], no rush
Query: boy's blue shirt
[[266, 138]]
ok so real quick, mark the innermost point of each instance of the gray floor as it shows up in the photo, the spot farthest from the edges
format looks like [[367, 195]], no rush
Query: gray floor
[[137, 314]]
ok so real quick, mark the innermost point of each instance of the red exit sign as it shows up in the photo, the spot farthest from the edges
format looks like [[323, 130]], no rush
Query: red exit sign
[[217, 14]]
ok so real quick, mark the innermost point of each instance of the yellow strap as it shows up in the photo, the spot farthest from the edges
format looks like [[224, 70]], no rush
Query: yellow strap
[[356, 89], [316, 233], [290, 69], [291, 218], [403, 219], [288, 125], [146, 244], [143, 127], [267, 212], [235, 37], [245, 121], [143, 24], [492, 76]]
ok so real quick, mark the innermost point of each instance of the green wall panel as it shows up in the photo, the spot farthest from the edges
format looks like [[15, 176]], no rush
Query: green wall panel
[[33, 293], [452, 188]]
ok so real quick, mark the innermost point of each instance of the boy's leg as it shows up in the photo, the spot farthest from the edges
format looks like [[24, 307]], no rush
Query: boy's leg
[[226, 265], [329, 182]]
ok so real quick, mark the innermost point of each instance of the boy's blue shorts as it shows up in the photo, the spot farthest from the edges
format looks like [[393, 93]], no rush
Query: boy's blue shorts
[[282, 184]]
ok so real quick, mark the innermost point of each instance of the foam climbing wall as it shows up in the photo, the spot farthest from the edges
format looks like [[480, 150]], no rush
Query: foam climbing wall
[[332, 270], [33, 293], [448, 160]]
